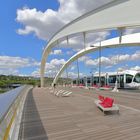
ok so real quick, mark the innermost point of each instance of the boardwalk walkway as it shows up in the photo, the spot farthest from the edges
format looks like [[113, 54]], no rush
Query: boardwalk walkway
[[47, 117]]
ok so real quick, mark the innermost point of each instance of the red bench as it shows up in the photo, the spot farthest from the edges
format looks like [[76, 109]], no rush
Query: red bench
[[101, 98], [106, 104], [95, 86]]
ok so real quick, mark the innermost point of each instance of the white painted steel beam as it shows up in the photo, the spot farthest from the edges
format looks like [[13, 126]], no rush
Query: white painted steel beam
[[117, 14], [127, 40]]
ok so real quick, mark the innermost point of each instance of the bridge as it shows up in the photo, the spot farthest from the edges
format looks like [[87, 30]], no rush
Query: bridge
[[37, 114], [32, 113], [98, 20]]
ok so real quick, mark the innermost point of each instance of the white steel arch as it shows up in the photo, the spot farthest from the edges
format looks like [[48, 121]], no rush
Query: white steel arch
[[117, 14], [127, 40]]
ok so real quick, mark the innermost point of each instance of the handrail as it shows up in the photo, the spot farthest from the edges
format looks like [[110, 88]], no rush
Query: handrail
[[11, 108], [7, 99]]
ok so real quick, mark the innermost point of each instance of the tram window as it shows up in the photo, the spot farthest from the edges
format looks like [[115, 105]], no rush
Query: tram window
[[112, 79], [88, 80], [96, 80], [129, 78], [74, 82], [137, 78]]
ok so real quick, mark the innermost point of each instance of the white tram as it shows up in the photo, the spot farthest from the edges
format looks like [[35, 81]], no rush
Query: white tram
[[125, 79]]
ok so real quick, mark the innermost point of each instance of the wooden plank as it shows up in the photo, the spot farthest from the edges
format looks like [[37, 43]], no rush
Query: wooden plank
[[47, 117]]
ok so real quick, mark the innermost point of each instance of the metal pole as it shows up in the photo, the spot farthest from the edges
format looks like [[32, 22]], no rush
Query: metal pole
[[78, 72], [67, 67], [106, 80], [84, 35], [91, 78], [86, 82], [120, 32], [67, 75], [100, 65], [67, 40]]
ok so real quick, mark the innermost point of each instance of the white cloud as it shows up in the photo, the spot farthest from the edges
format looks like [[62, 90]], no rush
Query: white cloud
[[113, 60], [36, 73], [9, 71], [126, 67], [105, 61], [51, 68], [77, 42], [45, 24], [57, 62], [91, 62], [10, 65], [16, 62], [137, 68], [56, 52], [72, 67], [39, 23], [84, 58], [73, 75], [135, 56]]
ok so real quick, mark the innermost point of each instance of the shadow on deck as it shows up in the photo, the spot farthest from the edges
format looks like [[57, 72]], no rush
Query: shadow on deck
[[31, 125]]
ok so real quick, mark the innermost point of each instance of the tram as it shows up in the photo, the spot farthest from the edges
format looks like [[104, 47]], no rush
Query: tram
[[125, 79]]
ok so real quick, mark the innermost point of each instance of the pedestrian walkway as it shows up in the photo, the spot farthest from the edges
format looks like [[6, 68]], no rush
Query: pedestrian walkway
[[46, 117]]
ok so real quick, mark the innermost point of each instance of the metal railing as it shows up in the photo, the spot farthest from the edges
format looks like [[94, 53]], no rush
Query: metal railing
[[11, 107]]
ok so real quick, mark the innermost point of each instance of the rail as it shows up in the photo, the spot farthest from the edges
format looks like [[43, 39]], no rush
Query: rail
[[11, 107]]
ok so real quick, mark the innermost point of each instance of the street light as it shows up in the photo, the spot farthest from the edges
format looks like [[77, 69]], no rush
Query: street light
[[91, 78], [92, 75], [116, 83], [67, 75], [100, 65], [78, 72]]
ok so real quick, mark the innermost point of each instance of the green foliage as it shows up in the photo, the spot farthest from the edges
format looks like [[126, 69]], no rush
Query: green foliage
[[61, 81], [3, 90], [8, 81]]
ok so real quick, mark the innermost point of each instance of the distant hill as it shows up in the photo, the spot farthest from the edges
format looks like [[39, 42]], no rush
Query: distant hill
[[7, 82]]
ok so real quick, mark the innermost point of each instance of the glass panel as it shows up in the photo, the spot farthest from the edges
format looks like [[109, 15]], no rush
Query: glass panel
[[121, 81], [95, 80], [137, 78], [88, 80], [102, 81], [112, 79], [129, 78]]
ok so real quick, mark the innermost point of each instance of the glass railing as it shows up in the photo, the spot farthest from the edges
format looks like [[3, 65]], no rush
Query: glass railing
[[11, 107]]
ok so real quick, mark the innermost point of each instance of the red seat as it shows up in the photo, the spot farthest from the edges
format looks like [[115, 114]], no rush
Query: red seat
[[81, 85], [107, 86], [96, 86], [108, 102], [101, 98]]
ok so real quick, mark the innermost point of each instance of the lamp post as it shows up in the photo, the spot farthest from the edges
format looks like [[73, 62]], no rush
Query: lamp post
[[92, 75], [100, 65], [91, 78], [116, 83], [67, 75], [78, 72], [120, 33]]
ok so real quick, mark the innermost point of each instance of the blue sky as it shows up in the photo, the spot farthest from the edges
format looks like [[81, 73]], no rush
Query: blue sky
[[23, 39], [14, 44]]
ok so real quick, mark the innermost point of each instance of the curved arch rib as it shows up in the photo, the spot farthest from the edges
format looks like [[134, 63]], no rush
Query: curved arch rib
[[129, 40], [119, 13]]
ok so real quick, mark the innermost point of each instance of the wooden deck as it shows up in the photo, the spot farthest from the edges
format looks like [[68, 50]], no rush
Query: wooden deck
[[47, 117]]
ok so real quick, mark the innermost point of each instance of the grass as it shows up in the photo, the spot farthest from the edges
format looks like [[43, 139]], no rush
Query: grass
[[3, 90]]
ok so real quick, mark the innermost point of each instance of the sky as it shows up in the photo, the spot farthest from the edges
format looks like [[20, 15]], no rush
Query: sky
[[27, 25]]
